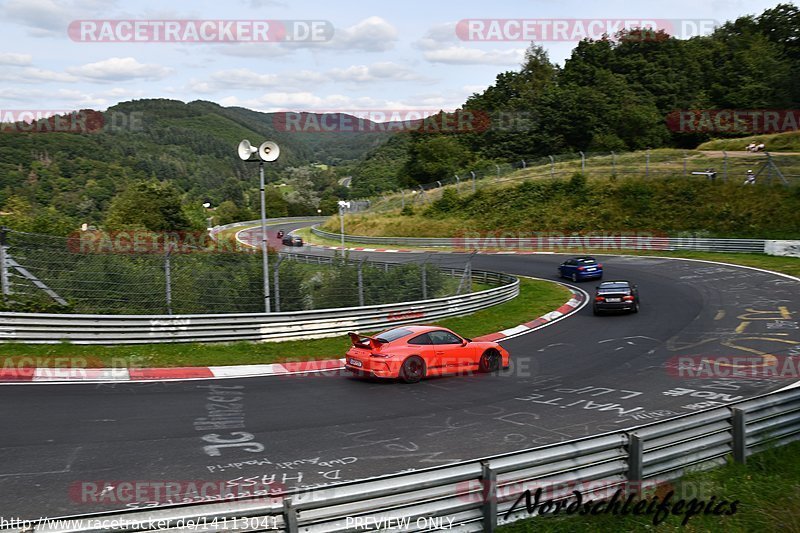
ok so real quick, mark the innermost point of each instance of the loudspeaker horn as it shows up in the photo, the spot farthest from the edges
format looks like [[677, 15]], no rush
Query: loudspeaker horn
[[268, 151], [246, 151]]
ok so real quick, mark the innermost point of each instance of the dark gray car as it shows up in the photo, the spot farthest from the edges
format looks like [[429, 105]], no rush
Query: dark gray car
[[617, 295]]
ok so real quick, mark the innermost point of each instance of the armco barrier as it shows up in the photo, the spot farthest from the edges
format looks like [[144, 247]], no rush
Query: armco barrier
[[270, 222], [42, 328], [641, 243], [479, 495]]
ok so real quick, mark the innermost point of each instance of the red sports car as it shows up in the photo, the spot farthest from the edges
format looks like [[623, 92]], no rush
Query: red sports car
[[414, 352]]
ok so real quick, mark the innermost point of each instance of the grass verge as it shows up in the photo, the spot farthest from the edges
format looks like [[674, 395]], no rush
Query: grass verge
[[768, 490], [535, 298]]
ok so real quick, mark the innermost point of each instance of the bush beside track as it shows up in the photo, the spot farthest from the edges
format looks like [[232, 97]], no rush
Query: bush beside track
[[535, 298]]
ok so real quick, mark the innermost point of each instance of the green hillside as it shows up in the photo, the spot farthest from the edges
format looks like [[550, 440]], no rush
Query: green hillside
[[677, 205], [53, 182]]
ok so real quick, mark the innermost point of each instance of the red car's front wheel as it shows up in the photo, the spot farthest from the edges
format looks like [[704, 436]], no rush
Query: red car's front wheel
[[490, 361], [413, 369]]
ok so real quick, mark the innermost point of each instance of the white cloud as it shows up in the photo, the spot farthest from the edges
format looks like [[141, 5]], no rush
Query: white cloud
[[440, 44], [253, 50], [35, 75], [67, 98], [247, 79], [119, 69], [9, 58], [372, 34], [306, 101], [43, 17], [459, 55], [438, 36], [384, 71], [48, 18]]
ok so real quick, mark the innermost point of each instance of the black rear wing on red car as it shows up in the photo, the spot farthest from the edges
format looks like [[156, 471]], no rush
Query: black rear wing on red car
[[368, 343]]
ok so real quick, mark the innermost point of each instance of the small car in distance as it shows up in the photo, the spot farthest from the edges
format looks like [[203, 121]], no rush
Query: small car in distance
[[580, 268], [410, 353], [618, 295], [292, 240]]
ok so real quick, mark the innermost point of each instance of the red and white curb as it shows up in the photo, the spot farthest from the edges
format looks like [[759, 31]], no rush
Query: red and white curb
[[112, 375], [578, 300], [76, 375]]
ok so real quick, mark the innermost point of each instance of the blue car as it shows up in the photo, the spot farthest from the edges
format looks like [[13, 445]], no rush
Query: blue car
[[580, 268]]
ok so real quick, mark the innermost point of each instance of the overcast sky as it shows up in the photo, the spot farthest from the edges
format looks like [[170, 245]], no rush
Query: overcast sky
[[383, 54]]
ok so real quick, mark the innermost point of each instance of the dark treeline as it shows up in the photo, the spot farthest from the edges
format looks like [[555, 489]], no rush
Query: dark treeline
[[611, 94]]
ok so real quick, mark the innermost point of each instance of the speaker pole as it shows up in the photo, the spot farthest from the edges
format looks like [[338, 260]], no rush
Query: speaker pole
[[264, 252]]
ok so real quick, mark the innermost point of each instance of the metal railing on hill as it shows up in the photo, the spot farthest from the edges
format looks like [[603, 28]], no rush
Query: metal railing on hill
[[767, 167]]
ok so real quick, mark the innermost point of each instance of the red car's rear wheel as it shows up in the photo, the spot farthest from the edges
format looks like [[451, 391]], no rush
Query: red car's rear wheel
[[413, 369]]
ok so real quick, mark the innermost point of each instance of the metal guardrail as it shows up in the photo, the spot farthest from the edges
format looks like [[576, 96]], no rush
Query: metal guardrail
[[48, 328], [634, 242], [479, 495], [270, 222]]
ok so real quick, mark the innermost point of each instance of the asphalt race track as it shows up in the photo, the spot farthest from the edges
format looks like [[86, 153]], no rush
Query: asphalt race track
[[580, 376]]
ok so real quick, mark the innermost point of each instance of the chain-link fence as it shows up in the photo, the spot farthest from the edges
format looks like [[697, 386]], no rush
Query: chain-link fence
[[57, 274], [767, 168]]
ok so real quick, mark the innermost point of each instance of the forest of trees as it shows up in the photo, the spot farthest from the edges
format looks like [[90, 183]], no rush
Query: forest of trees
[[611, 94]]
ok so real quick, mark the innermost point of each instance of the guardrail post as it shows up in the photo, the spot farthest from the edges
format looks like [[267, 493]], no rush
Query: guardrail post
[[647, 164], [635, 456], [424, 279], [552, 166], [402, 198], [361, 282], [168, 279], [725, 165], [289, 517], [613, 163], [739, 435], [498, 170], [473, 180], [583, 161], [276, 275], [685, 157], [466, 278], [4, 263], [489, 493]]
